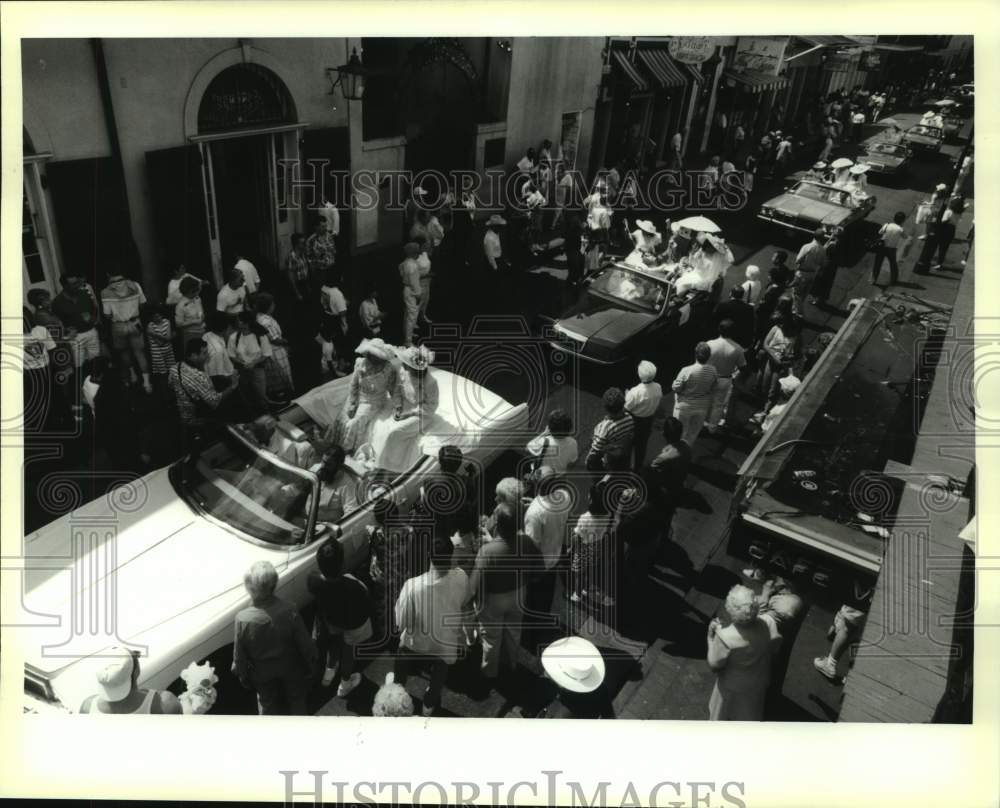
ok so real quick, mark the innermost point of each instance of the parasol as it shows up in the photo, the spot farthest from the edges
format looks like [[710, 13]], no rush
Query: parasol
[[945, 103], [841, 162], [888, 122], [699, 224]]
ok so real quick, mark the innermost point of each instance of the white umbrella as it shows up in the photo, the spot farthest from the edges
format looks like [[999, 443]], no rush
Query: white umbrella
[[699, 224], [946, 103], [888, 122], [841, 162]]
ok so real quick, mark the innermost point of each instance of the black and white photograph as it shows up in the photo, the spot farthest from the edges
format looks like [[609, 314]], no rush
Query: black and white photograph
[[615, 377]]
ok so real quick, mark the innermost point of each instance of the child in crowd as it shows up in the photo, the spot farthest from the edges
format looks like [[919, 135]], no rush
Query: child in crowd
[[189, 314], [159, 337]]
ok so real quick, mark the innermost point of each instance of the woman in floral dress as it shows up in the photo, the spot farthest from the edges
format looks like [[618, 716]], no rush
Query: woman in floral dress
[[373, 386], [279, 369]]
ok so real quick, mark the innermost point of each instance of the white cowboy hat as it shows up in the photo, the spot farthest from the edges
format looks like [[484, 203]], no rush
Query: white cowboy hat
[[374, 347], [574, 664], [647, 226], [114, 681], [859, 168], [841, 162], [496, 221], [418, 358], [700, 223]]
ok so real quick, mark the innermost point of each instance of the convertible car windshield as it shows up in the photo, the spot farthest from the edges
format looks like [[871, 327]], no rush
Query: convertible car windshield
[[823, 193], [631, 287], [926, 131], [887, 148], [247, 490]]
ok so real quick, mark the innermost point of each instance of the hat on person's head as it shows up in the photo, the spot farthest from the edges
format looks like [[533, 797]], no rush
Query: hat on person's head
[[819, 165], [859, 168], [375, 348], [647, 371], [496, 221], [418, 358], [114, 680], [647, 226], [789, 384], [574, 664], [940, 187]]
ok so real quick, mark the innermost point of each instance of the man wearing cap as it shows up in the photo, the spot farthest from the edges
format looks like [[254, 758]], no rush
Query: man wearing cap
[[119, 692], [811, 259], [728, 358], [642, 402], [693, 389]]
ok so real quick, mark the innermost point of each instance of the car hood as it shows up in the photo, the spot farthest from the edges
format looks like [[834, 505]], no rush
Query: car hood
[[811, 209], [172, 572], [594, 316], [927, 139]]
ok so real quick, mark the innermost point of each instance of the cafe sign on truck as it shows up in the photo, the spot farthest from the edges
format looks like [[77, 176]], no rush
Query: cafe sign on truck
[[692, 50]]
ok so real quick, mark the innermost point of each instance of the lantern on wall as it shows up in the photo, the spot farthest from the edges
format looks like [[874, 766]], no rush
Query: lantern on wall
[[350, 77]]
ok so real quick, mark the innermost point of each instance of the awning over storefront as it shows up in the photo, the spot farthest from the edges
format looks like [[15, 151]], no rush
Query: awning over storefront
[[630, 70], [891, 46], [663, 68], [757, 82], [695, 73], [804, 45]]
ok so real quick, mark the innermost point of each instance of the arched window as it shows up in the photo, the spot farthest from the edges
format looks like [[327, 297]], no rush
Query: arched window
[[242, 96]]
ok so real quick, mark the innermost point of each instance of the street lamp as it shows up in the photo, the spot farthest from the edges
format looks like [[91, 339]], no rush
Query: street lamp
[[350, 77]]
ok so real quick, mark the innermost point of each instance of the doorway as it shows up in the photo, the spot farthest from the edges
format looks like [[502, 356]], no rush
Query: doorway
[[241, 169]]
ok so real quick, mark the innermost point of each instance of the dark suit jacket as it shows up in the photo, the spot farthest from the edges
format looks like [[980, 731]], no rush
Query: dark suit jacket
[[742, 316]]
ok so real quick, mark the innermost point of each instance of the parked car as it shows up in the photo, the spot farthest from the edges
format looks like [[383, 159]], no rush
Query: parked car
[[172, 569], [620, 311], [924, 139], [809, 204], [891, 159]]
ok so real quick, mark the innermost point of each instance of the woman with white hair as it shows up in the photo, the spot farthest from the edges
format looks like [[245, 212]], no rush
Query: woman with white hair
[[273, 652], [642, 403], [752, 286], [740, 655]]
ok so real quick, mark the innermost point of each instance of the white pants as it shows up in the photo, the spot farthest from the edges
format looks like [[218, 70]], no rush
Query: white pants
[[720, 401], [425, 296], [85, 346], [411, 309], [692, 418]]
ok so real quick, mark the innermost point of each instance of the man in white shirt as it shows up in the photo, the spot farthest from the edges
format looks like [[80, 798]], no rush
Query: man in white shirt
[[642, 402], [891, 235], [728, 358], [545, 524], [231, 297], [529, 163], [492, 247], [251, 278]]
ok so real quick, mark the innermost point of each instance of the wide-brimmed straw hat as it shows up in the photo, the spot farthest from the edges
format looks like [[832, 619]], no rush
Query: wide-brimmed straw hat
[[574, 664], [375, 348], [496, 221], [417, 357], [647, 226]]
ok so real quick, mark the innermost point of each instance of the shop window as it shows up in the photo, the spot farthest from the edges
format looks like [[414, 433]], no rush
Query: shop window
[[243, 96]]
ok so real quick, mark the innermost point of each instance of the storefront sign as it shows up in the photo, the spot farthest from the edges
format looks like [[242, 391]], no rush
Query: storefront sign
[[691, 50], [763, 54]]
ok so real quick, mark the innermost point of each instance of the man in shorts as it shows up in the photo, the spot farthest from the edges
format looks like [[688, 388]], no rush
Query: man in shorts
[[848, 623]]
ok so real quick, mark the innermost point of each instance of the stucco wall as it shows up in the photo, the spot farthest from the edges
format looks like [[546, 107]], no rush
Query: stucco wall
[[550, 77]]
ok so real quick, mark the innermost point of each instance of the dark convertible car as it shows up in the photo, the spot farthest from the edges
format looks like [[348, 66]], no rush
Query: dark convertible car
[[620, 311]]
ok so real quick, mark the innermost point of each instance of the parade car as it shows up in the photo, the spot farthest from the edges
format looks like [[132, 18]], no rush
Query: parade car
[[621, 309], [953, 123], [164, 555], [924, 139], [882, 157], [809, 204]]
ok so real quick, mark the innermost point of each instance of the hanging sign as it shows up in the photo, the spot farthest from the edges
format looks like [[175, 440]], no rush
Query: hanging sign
[[691, 50], [763, 54]]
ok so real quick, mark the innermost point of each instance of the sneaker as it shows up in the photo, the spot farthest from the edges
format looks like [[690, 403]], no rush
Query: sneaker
[[328, 676], [427, 710], [347, 685], [826, 667]]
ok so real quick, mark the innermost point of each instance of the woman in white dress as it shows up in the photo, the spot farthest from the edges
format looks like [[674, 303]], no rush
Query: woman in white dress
[[372, 387], [395, 439]]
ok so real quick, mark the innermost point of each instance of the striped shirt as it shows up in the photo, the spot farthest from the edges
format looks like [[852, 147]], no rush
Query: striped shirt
[[121, 299], [694, 384], [613, 435], [161, 353], [191, 387]]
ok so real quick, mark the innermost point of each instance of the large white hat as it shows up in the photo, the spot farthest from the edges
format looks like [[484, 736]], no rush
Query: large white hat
[[418, 358], [647, 371], [114, 681], [375, 348], [647, 226], [496, 220], [574, 664], [842, 162]]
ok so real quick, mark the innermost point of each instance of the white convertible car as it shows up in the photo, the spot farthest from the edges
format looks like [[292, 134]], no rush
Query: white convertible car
[[158, 565]]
